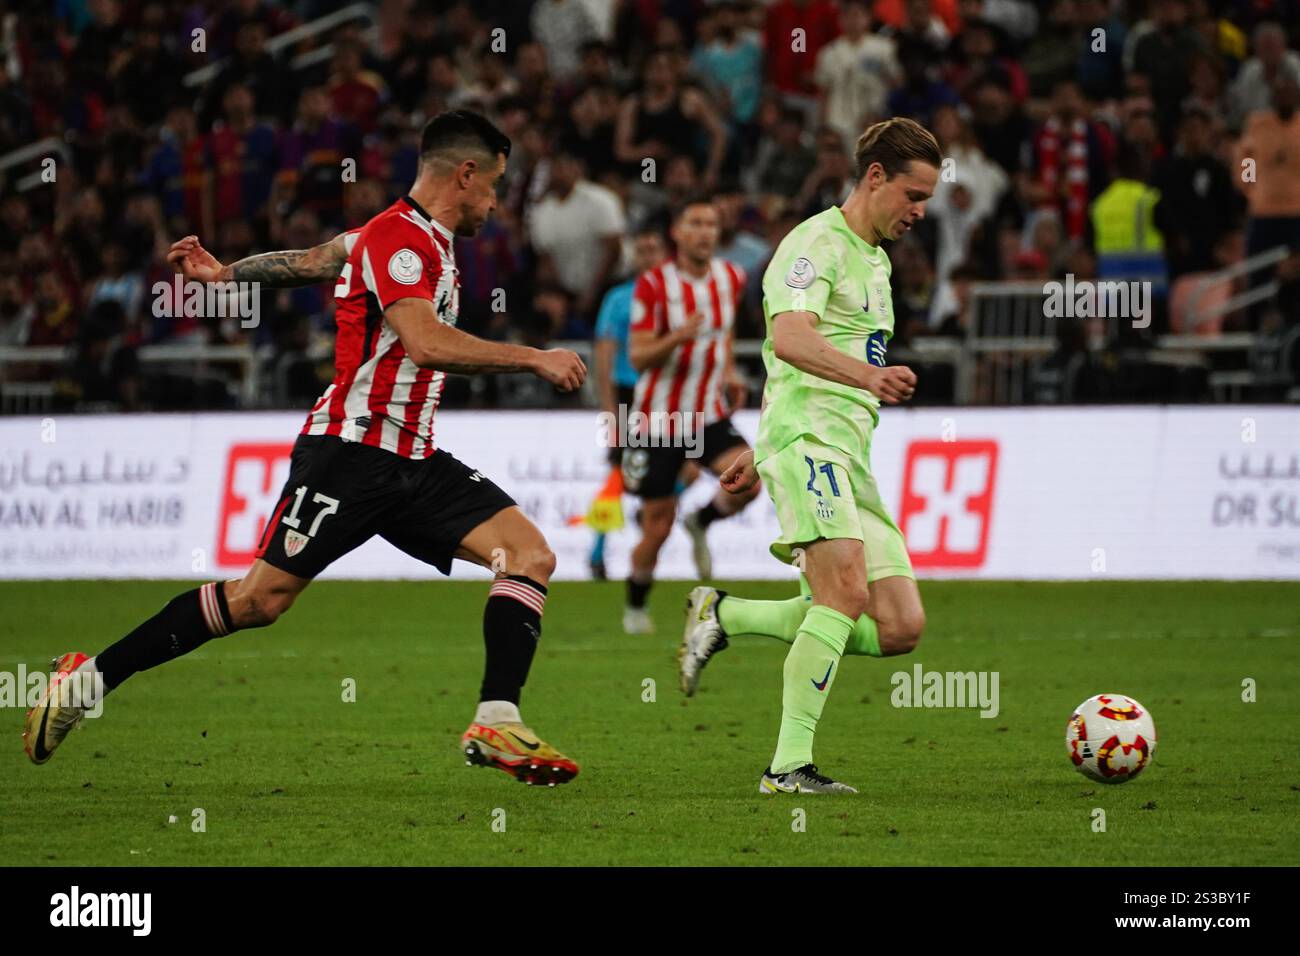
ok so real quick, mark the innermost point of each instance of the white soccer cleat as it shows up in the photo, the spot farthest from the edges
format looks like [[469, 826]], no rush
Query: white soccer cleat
[[60, 708], [637, 621], [702, 637], [699, 545], [805, 779]]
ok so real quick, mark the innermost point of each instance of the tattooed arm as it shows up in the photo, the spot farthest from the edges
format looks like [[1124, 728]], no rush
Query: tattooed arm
[[284, 269]]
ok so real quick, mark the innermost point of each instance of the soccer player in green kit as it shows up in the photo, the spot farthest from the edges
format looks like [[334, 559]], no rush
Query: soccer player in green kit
[[827, 306]]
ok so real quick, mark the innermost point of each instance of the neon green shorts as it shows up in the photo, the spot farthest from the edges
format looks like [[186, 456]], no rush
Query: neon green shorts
[[821, 492]]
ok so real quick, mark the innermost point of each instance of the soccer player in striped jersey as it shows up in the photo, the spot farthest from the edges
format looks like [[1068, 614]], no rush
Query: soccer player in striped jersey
[[683, 330], [829, 316], [366, 462]]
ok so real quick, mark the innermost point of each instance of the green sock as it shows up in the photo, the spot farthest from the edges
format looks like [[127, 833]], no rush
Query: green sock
[[864, 639], [809, 673], [781, 620]]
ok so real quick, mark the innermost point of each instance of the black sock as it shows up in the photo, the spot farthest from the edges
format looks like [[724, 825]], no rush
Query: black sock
[[512, 625], [637, 591], [708, 514], [188, 621]]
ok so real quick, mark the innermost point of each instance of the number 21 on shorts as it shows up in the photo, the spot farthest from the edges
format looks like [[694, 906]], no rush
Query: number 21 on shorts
[[826, 469]]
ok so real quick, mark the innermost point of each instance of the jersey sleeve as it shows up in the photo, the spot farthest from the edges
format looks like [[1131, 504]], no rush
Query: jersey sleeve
[[648, 312], [802, 274], [397, 261]]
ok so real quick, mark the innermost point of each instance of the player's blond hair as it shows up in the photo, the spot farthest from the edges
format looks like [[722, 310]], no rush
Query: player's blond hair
[[893, 143]]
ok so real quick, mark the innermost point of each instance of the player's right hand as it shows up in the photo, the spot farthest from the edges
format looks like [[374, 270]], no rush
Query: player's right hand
[[188, 257], [562, 368], [688, 332], [892, 384], [740, 474]]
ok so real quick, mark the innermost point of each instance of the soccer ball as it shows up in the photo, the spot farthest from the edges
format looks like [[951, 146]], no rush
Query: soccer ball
[[1110, 738]]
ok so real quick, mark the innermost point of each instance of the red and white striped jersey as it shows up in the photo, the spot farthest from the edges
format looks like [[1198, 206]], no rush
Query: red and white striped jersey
[[691, 379], [379, 396]]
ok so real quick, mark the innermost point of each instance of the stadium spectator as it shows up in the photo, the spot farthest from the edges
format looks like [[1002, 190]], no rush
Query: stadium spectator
[[829, 181], [243, 157], [251, 66], [975, 51], [665, 118], [921, 91], [1269, 150], [589, 131], [1252, 90], [739, 243], [961, 202], [145, 79], [1000, 124], [855, 73], [312, 154], [731, 65], [1016, 18], [562, 27], [1099, 66], [357, 93], [1198, 202], [1071, 158], [786, 161], [1052, 54], [924, 21], [795, 31], [1162, 55], [577, 232], [1128, 244]]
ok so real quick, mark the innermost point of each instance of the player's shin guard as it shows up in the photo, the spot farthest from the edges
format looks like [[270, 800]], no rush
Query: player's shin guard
[[809, 674], [512, 625], [188, 621]]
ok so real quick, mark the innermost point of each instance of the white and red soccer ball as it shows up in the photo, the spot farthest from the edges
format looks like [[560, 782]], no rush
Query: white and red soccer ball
[[1110, 738]]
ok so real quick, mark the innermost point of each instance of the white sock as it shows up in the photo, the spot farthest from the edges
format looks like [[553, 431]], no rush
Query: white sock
[[497, 712]]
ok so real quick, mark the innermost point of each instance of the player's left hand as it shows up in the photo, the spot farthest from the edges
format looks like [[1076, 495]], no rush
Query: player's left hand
[[741, 475], [188, 257]]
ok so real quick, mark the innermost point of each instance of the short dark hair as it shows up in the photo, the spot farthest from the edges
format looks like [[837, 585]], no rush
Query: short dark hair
[[458, 132], [694, 199]]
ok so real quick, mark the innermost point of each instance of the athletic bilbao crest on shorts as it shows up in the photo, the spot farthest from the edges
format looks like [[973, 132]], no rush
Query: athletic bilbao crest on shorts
[[947, 507], [294, 542]]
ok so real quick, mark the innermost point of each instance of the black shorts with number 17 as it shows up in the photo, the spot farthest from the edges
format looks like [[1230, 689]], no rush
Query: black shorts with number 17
[[652, 472], [341, 494]]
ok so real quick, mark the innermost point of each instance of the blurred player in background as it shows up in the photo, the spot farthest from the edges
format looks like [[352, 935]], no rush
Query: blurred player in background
[[365, 463], [683, 331], [615, 376], [826, 300]]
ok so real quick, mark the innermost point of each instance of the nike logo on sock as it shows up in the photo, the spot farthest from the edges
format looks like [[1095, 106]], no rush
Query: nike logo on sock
[[822, 685]]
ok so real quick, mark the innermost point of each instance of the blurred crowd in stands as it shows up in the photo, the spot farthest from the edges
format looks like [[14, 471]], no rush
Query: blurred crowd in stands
[[1134, 138]]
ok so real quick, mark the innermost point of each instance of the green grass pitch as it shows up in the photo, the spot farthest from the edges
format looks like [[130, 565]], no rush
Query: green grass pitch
[[253, 730]]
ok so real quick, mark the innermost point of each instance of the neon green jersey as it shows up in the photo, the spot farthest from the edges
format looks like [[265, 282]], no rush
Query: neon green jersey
[[824, 267]]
